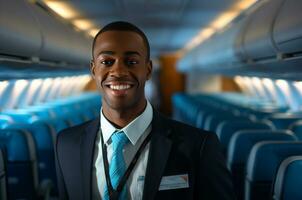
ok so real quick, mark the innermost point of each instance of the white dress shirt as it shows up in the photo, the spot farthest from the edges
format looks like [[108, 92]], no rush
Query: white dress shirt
[[136, 131]]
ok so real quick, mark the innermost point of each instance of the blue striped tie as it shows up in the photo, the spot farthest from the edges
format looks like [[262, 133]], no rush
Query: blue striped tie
[[117, 166]]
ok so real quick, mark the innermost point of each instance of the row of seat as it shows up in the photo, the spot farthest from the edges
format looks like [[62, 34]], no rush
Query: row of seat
[[251, 133], [28, 136]]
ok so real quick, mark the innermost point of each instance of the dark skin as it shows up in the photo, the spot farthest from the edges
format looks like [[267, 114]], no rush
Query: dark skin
[[120, 68]]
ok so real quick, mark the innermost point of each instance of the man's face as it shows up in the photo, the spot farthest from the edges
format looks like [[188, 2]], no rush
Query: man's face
[[120, 69]]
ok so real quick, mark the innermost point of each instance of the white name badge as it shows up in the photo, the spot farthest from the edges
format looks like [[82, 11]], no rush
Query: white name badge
[[174, 182]]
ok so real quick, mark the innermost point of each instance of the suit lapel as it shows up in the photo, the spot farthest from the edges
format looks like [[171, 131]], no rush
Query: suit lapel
[[87, 152], [160, 147]]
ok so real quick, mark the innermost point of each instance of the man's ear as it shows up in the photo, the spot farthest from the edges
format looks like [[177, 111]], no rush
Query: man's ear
[[92, 68], [150, 66]]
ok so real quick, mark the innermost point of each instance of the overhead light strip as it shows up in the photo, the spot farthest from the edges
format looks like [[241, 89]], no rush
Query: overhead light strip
[[217, 24], [69, 13]]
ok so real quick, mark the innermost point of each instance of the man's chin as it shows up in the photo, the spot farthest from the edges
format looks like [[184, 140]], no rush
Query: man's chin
[[119, 104]]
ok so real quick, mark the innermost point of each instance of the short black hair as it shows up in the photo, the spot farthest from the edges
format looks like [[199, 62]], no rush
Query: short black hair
[[123, 26]]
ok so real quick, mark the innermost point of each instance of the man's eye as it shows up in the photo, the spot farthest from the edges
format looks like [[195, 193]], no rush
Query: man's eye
[[107, 62], [131, 62]]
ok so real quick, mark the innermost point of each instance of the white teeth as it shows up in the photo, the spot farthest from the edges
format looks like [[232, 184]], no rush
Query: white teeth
[[119, 87]]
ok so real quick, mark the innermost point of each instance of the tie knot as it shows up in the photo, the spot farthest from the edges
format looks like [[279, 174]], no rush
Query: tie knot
[[119, 139]]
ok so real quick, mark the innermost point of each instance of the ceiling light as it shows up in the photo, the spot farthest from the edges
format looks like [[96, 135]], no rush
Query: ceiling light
[[83, 24], [281, 83], [61, 8], [242, 5], [220, 22], [224, 19], [3, 85], [203, 35]]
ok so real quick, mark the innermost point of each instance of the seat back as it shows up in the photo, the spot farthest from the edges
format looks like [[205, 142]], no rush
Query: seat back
[[288, 181], [226, 129], [57, 124], [20, 116], [213, 120], [22, 171], [296, 127], [262, 165], [44, 138], [284, 120], [5, 120], [240, 146]]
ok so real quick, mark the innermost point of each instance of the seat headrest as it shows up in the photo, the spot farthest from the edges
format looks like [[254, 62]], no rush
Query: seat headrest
[[17, 145], [242, 142], [265, 157], [289, 179]]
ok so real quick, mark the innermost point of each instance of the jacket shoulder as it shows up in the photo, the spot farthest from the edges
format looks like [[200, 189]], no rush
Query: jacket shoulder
[[73, 134], [188, 130]]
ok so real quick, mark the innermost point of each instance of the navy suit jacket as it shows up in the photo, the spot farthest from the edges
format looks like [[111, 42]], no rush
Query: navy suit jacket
[[175, 148]]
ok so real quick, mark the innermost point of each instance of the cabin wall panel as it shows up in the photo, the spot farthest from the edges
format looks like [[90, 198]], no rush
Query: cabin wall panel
[[197, 82]]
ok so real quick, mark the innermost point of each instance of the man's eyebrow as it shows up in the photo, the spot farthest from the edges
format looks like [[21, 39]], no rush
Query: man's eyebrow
[[106, 52], [127, 53]]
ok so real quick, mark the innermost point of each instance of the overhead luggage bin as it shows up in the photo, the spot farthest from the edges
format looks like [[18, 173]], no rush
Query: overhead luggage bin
[[222, 46], [257, 41], [19, 31], [217, 52], [60, 42], [287, 32]]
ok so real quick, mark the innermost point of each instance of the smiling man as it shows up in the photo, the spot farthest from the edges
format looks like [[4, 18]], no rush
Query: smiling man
[[131, 151]]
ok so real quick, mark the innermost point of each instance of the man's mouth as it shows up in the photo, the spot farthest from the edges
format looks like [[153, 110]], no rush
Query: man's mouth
[[120, 87]]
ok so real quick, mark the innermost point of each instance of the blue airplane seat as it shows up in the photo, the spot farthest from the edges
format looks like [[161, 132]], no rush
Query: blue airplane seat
[[3, 183], [44, 138], [226, 129], [59, 109], [176, 103], [213, 120], [284, 120], [22, 173], [262, 112], [56, 124], [296, 127], [287, 185], [87, 110], [5, 120], [20, 116], [83, 106], [202, 116], [182, 106], [90, 109], [41, 111], [67, 110], [262, 165], [240, 146]]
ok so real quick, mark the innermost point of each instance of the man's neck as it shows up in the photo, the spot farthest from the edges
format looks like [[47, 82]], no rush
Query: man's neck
[[121, 118]]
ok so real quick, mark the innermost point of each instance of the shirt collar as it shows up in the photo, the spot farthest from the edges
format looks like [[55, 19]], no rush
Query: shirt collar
[[134, 130]]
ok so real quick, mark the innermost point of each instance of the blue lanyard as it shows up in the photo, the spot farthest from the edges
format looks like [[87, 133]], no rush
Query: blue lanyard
[[114, 194]]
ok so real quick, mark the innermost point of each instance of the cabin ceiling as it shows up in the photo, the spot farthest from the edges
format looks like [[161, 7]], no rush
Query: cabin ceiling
[[169, 25]]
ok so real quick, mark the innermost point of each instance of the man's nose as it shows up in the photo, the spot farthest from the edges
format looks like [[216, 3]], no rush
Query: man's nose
[[119, 69]]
